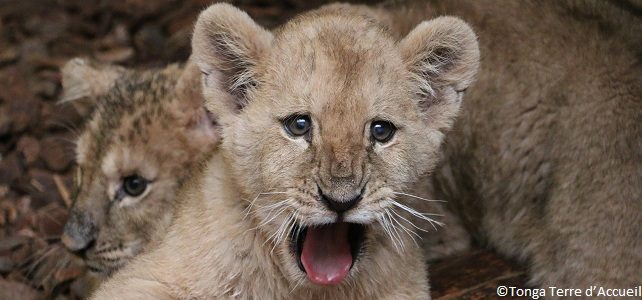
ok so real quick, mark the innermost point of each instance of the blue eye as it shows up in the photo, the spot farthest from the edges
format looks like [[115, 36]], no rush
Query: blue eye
[[297, 125], [382, 131]]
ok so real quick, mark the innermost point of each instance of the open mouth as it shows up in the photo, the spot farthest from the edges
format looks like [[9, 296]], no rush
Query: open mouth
[[326, 253]]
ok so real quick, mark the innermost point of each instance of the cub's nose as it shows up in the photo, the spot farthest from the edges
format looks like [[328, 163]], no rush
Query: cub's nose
[[79, 234], [339, 206], [78, 246]]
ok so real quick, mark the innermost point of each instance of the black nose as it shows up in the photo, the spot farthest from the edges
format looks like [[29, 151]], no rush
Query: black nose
[[340, 206]]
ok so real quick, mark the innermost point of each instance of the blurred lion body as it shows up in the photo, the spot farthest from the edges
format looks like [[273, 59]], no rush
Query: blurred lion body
[[545, 162]]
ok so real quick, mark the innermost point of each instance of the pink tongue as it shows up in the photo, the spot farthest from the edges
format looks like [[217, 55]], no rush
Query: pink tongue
[[326, 253]]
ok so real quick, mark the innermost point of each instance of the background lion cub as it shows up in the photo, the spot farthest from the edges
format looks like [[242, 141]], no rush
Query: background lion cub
[[324, 124], [147, 129]]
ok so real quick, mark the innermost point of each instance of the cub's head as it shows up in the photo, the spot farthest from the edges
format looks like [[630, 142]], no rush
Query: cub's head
[[147, 129], [326, 123]]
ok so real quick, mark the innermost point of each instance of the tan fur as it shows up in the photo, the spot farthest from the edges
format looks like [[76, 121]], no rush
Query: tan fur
[[344, 70], [150, 123], [545, 163]]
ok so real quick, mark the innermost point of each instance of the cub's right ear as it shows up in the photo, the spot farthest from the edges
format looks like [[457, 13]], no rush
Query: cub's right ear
[[227, 44], [83, 81], [443, 56]]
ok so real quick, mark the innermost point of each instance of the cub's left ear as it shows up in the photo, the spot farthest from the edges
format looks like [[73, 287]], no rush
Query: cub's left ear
[[84, 80], [443, 57], [198, 123]]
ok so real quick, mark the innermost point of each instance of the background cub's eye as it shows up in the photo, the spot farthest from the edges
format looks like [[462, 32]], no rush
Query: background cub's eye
[[382, 131], [134, 185], [297, 125]]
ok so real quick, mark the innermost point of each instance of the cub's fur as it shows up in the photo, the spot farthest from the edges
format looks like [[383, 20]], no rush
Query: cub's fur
[[545, 164], [150, 124], [252, 220]]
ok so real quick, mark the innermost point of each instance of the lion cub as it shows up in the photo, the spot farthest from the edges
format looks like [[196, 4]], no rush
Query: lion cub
[[325, 123], [147, 129]]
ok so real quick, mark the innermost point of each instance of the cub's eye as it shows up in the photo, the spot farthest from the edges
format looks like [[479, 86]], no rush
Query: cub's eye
[[382, 131], [134, 185], [297, 125]]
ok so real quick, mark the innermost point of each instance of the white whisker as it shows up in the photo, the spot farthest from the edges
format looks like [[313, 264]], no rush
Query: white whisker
[[411, 233], [411, 223], [417, 197], [388, 230], [276, 237], [269, 219], [297, 284], [249, 207], [401, 241], [418, 214]]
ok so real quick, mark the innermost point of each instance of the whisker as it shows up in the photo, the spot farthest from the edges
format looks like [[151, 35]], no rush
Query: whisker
[[409, 232], [417, 197], [275, 237], [281, 232], [257, 197], [411, 223], [418, 214], [291, 228], [288, 228], [267, 221], [401, 242], [42, 256], [298, 231], [271, 206], [387, 230], [301, 280]]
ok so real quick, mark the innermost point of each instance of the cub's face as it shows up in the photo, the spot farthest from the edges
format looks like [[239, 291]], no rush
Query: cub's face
[[139, 144], [327, 123]]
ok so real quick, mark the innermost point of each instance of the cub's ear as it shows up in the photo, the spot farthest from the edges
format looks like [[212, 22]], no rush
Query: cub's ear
[[199, 123], [84, 80], [227, 44], [443, 57]]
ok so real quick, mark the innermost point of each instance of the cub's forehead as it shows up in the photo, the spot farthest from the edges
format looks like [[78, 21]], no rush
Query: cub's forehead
[[123, 116], [336, 63], [340, 40]]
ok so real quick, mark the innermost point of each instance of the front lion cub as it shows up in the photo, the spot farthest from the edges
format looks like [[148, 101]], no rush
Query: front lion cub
[[326, 122]]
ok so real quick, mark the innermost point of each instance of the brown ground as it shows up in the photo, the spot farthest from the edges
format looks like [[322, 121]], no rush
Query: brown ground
[[36, 152]]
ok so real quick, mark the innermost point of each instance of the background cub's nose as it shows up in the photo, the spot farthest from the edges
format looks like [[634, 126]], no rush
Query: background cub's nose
[[78, 235], [340, 206], [76, 245]]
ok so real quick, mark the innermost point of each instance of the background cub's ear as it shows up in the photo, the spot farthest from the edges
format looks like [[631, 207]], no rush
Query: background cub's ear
[[227, 44], [443, 56], [199, 123], [83, 80]]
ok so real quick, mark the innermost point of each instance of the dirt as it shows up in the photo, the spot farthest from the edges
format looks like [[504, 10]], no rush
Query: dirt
[[36, 134]]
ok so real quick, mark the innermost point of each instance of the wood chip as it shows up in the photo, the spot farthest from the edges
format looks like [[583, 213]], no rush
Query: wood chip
[[62, 190], [116, 55]]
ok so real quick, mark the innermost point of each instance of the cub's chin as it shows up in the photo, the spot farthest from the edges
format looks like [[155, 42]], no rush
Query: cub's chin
[[326, 253]]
